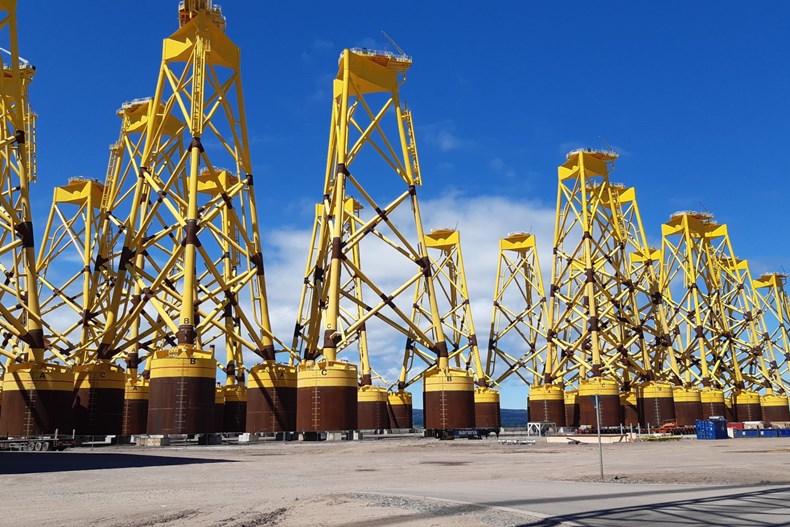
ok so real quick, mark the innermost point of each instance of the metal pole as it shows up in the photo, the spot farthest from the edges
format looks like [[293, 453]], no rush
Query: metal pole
[[598, 422]]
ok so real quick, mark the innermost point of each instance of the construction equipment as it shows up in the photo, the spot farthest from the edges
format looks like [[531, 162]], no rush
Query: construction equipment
[[773, 305], [191, 245], [366, 91], [37, 385], [462, 399], [595, 325]]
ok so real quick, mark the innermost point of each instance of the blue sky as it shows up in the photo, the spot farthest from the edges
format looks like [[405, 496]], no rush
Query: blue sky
[[693, 95]]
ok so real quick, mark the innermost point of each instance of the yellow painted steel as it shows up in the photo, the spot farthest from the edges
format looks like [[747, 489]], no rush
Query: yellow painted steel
[[550, 392], [744, 397], [772, 301], [518, 318], [571, 396], [628, 398], [712, 396], [657, 390], [22, 322], [600, 303], [399, 398], [183, 362], [451, 297], [235, 393], [332, 313], [270, 375], [189, 269], [99, 375], [486, 395], [718, 322], [598, 386], [774, 401], [450, 380], [38, 376], [681, 394], [136, 390], [327, 374], [371, 394]]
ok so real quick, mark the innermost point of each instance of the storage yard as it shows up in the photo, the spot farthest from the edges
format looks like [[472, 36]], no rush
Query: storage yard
[[137, 316], [474, 483]]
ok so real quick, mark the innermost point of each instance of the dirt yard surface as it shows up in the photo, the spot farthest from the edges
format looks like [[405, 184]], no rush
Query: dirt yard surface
[[390, 482]]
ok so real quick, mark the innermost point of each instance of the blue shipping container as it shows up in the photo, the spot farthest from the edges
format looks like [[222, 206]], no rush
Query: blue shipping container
[[751, 433], [784, 432], [711, 429], [768, 432]]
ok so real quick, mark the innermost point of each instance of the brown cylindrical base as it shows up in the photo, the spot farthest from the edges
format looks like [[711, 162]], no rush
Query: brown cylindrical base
[[37, 400], [775, 408], [372, 408], [730, 413], [326, 397], [746, 406], [135, 416], [688, 405], [219, 417], [629, 403], [235, 416], [135, 406], [98, 399], [271, 399], [449, 400], [98, 411], [571, 408], [182, 392], [713, 404], [399, 407], [656, 404], [487, 409], [609, 400], [181, 405], [547, 403]]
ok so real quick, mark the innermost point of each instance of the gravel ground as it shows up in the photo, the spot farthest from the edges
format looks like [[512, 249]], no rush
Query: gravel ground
[[340, 483]]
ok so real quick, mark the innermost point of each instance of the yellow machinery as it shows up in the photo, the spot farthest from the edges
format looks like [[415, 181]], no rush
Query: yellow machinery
[[37, 390], [745, 320], [191, 247], [461, 397], [772, 302], [367, 115], [517, 343], [595, 321], [713, 317]]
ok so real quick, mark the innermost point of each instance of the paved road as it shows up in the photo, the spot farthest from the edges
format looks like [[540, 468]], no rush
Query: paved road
[[613, 504]]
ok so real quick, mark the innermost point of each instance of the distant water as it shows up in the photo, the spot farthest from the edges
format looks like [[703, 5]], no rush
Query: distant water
[[511, 418]]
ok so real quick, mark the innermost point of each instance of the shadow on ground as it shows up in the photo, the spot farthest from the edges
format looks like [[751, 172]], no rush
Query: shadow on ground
[[42, 462], [761, 507]]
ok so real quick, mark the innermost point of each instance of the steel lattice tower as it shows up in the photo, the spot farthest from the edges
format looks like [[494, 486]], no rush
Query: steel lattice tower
[[191, 240], [370, 128]]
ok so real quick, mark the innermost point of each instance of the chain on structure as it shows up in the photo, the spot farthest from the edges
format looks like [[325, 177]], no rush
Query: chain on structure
[[360, 125], [517, 343], [19, 309], [452, 297], [191, 246]]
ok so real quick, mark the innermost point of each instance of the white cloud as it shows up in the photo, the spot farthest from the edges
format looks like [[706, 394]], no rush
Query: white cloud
[[481, 220], [442, 135]]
